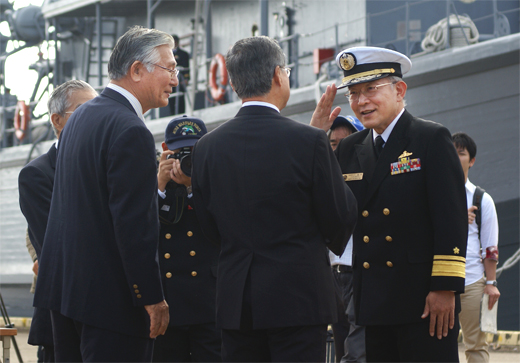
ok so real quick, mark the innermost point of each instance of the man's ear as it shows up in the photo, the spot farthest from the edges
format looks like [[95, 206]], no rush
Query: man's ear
[[277, 77], [164, 147], [136, 71], [57, 121], [472, 162], [401, 88]]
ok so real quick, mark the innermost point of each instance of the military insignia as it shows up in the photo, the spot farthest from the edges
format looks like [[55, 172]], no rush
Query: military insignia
[[456, 250], [347, 61], [405, 164], [353, 176], [404, 154], [188, 130]]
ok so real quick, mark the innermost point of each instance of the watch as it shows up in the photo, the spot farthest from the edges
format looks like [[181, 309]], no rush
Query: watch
[[492, 282]]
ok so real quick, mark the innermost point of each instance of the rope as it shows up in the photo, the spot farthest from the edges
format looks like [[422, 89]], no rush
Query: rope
[[436, 37], [510, 262]]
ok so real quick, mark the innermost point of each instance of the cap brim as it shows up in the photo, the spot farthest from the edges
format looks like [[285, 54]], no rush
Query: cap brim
[[363, 80], [182, 143]]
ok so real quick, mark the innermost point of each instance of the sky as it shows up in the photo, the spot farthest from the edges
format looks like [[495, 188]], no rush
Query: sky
[[18, 77]]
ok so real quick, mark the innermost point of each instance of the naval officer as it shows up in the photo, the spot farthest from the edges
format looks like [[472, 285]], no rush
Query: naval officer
[[410, 239]]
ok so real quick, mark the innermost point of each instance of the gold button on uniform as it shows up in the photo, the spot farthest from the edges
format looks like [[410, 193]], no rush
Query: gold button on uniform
[[136, 291], [389, 264], [169, 275], [190, 233], [167, 256], [192, 253], [135, 286], [193, 273], [366, 265], [386, 211], [365, 213], [168, 236], [366, 239], [138, 296], [388, 239]]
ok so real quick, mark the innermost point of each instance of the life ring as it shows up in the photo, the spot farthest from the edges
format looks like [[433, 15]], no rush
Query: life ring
[[218, 64], [22, 116]]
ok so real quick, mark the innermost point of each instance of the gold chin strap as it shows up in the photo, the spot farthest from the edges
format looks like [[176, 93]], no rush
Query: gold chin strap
[[368, 73]]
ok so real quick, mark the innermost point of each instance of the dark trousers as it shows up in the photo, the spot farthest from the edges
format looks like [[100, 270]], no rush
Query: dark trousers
[[45, 354], [293, 344], [194, 343], [410, 343], [78, 342], [349, 338]]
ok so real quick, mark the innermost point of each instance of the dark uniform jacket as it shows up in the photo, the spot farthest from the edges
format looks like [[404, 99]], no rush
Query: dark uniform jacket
[[269, 189], [99, 262], [411, 234], [188, 261], [35, 184]]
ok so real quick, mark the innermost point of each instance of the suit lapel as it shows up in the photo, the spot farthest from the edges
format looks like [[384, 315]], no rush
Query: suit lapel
[[393, 148], [51, 154], [366, 156]]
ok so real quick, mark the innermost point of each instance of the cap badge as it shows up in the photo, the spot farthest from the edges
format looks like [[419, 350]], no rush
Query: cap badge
[[347, 61], [187, 130]]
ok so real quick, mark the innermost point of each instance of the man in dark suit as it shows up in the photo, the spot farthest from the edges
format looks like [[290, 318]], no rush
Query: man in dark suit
[[410, 240], [99, 273], [270, 191], [178, 104], [188, 260], [35, 184]]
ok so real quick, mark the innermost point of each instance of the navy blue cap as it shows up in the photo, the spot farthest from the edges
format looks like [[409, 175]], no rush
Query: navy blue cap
[[183, 131], [350, 121]]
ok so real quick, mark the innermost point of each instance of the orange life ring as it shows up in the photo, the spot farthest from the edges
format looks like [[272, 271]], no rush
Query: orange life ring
[[22, 116], [218, 64]]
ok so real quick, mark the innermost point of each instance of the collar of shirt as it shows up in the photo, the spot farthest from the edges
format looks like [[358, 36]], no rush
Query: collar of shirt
[[470, 187], [260, 103], [56, 144], [386, 134], [130, 97]]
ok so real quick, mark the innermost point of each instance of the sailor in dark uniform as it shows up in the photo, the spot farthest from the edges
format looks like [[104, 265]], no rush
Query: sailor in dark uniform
[[410, 239], [187, 259]]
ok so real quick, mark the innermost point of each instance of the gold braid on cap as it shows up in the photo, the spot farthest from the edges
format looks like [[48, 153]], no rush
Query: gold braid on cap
[[368, 73]]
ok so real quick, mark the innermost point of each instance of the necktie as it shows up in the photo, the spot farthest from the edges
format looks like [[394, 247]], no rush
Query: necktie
[[379, 145]]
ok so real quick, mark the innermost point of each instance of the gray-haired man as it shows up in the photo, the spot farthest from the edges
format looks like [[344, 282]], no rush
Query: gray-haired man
[[35, 184], [99, 273]]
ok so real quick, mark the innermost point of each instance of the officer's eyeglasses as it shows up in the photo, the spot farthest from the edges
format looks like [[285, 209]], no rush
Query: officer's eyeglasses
[[288, 70], [368, 92], [173, 72]]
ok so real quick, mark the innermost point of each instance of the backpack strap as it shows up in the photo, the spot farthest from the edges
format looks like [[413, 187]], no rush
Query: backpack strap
[[477, 202]]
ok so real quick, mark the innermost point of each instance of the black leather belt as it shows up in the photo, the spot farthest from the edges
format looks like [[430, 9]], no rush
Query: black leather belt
[[342, 268]]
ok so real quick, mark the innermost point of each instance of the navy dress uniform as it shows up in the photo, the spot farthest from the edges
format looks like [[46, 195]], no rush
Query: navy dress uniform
[[188, 262], [410, 238]]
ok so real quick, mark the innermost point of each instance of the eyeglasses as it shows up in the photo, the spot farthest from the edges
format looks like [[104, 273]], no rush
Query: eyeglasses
[[369, 92], [173, 72], [288, 70]]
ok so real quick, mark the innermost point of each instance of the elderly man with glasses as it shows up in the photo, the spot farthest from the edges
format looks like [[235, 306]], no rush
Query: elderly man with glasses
[[410, 239], [99, 274]]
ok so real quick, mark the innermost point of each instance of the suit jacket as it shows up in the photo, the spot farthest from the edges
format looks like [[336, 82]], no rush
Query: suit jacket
[[188, 261], [35, 184], [412, 226], [99, 261], [270, 191]]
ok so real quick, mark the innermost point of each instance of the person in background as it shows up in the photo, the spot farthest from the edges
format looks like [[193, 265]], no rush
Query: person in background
[[35, 184], [410, 239], [187, 258], [99, 271], [178, 103], [349, 338], [481, 256]]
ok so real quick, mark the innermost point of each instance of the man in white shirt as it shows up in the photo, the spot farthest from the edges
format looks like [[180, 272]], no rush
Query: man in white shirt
[[481, 257]]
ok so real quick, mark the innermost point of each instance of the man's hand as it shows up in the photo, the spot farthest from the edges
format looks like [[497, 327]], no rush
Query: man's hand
[[159, 318], [440, 305], [493, 293], [471, 214], [322, 118], [35, 267], [165, 167], [178, 175]]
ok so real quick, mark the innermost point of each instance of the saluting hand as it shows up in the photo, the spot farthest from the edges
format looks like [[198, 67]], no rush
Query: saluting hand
[[440, 305], [159, 318], [322, 118]]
